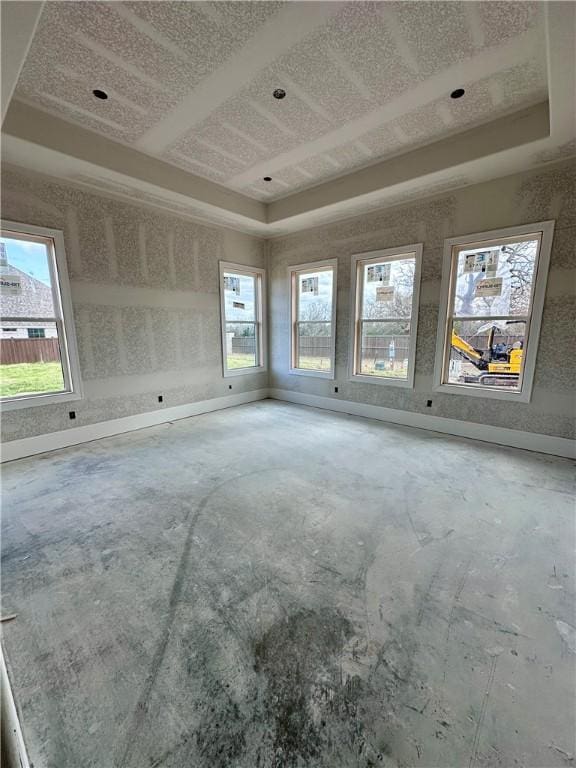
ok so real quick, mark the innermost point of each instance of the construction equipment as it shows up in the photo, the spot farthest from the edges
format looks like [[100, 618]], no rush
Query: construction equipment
[[499, 364]]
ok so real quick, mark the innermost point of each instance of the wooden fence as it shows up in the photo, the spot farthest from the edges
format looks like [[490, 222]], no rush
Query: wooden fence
[[16, 351]]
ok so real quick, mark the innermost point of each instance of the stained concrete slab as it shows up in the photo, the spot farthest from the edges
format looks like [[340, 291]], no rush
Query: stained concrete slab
[[276, 586]]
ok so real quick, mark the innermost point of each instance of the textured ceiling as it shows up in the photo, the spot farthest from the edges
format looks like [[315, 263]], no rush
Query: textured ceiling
[[192, 82]]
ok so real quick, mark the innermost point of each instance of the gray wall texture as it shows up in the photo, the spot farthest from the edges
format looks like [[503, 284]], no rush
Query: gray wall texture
[[145, 293], [519, 199]]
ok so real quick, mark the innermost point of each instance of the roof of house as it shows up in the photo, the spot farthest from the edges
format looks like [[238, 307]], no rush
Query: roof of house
[[34, 301]]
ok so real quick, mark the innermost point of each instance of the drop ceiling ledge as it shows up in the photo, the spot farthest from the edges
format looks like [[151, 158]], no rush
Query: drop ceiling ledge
[[40, 142]]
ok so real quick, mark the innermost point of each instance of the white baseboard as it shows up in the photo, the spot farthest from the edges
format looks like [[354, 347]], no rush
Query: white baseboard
[[530, 441], [11, 732], [29, 446]]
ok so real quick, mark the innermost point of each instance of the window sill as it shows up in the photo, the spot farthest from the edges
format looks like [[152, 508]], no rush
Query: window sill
[[32, 401], [386, 381], [314, 374], [244, 371], [485, 392]]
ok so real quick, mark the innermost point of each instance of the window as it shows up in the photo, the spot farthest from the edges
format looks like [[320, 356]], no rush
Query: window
[[38, 361], [242, 313], [491, 305], [386, 286], [313, 319]]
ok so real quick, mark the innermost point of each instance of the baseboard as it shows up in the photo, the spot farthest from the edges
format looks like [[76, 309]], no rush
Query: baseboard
[[29, 446], [530, 441], [13, 747]]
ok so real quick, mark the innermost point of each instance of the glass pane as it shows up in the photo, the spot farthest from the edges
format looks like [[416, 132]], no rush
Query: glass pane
[[30, 361], [314, 346], [387, 289], [315, 296], [488, 354], [239, 297], [25, 282], [241, 346], [384, 349], [496, 280]]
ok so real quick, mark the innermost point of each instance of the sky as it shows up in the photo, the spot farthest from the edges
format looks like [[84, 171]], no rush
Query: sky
[[28, 257]]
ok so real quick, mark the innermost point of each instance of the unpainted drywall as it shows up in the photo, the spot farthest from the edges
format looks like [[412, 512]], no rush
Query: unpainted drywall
[[146, 303], [520, 199]]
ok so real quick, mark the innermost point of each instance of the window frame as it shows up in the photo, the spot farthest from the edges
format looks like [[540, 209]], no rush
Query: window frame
[[534, 316], [381, 257], [64, 318], [293, 271], [260, 316]]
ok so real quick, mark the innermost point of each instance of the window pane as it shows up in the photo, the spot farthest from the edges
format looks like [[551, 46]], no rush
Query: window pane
[[489, 354], [314, 342], [239, 297], [387, 289], [315, 295], [29, 364], [384, 349], [25, 282], [241, 346], [496, 280]]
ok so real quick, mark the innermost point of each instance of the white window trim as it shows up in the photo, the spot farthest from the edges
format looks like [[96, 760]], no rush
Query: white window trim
[[379, 257], [260, 303], [546, 228], [64, 321], [293, 271]]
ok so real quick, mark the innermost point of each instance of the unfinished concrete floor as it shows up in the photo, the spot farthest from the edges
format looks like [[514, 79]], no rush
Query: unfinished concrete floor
[[273, 586]]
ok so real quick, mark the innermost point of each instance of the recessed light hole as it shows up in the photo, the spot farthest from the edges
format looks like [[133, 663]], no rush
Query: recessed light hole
[[458, 93], [100, 94], [267, 178]]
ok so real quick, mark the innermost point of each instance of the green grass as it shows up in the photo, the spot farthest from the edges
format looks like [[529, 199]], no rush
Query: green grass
[[314, 363], [396, 373], [240, 360], [30, 378]]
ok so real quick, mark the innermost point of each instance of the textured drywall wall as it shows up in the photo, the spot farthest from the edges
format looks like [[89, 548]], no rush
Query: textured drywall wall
[[545, 194], [146, 303]]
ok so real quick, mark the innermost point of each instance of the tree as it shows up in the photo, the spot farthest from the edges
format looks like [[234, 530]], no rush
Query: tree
[[319, 313]]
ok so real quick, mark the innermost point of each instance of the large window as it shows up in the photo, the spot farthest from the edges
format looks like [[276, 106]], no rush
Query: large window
[[313, 318], [386, 288], [492, 296], [38, 357], [242, 312]]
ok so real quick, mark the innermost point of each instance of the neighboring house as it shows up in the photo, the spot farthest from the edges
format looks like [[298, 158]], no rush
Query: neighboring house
[[35, 300]]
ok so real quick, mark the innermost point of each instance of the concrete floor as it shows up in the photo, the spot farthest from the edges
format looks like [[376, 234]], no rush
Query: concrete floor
[[274, 585]]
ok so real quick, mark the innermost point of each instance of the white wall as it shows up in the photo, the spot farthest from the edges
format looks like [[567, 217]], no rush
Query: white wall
[[530, 197], [145, 292]]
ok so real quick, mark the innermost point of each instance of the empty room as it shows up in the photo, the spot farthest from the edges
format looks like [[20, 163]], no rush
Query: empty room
[[287, 384]]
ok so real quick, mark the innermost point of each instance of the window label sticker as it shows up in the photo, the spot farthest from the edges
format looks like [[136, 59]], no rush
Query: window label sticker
[[483, 261], [10, 285], [309, 285], [232, 284], [492, 286], [384, 293], [238, 305], [379, 273]]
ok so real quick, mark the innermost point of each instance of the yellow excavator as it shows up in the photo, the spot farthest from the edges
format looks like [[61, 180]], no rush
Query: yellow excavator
[[499, 364]]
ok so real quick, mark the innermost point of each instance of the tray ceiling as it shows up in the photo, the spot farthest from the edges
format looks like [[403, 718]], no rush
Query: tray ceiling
[[192, 82]]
